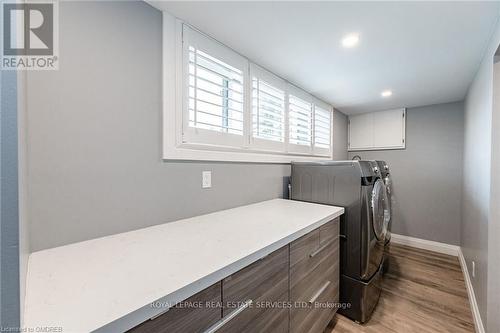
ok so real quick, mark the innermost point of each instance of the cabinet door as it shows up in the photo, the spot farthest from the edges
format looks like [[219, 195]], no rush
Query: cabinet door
[[193, 315], [314, 278], [361, 131], [249, 295], [388, 129], [378, 130]]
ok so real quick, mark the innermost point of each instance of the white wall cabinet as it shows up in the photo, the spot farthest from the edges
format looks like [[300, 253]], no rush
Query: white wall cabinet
[[377, 130]]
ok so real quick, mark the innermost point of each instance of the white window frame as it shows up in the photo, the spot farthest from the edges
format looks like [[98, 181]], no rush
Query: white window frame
[[175, 143]]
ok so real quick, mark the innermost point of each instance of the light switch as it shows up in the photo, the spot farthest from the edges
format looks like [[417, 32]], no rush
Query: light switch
[[206, 179]]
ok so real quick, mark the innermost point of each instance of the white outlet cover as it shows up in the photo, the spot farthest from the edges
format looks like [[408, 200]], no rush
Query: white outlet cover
[[473, 269], [206, 179]]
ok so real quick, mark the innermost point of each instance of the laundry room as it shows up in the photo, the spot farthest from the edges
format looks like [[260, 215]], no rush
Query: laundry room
[[250, 166]]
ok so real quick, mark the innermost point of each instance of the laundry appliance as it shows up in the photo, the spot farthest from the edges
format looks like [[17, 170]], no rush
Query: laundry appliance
[[359, 188]]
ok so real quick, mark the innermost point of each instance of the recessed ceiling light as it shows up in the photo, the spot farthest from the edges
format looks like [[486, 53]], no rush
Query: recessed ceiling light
[[386, 93], [350, 40]]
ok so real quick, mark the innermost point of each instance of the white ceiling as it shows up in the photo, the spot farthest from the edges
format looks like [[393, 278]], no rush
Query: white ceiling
[[425, 52]]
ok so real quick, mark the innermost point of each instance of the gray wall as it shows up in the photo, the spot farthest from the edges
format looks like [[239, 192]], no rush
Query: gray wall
[[494, 225], [480, 234], [9, 216], [94, 136], [427, 174], [24, 249], [339, 135]]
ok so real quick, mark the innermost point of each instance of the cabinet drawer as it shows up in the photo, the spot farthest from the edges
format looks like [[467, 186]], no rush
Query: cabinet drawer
[[257, 318], [272, 320], [301, 248], [278, 323], [263, 281], [313, 272], [329, 231], [187, 316], [308, 257], [316, 319], [323, 315], [314, 284]]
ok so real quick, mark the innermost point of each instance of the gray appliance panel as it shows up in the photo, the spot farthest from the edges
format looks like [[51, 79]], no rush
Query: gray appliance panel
[[341, 184]]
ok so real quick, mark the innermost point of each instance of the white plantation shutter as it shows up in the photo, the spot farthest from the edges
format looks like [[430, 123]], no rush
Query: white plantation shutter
[[322, 128], [215, 91], [300, 120], [215, 94], [230, 107], [268, 110]]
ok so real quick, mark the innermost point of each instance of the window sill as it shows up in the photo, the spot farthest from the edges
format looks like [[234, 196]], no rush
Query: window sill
[[193, 154]]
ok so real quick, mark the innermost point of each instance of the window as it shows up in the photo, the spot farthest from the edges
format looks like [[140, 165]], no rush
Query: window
[[226, 108], [299, 121], [268, 110], [322, 129], [214, 82], [215, 94]]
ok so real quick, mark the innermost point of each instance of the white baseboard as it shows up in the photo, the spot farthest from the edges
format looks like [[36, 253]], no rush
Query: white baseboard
[[478, 322], [453, 250], [444, 248]]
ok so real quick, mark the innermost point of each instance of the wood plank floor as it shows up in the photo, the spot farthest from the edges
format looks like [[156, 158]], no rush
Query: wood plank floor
[[422, 292]]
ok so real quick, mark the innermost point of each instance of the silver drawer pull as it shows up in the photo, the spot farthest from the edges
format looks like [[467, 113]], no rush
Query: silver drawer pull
[[319, 292], [321, 249], [159, 314], [218, 325]]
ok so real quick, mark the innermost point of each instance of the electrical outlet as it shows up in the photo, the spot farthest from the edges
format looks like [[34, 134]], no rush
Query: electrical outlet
[[206, 179], [473, 269]]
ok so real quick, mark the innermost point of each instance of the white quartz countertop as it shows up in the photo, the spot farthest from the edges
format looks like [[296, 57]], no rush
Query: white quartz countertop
[[108, 284]]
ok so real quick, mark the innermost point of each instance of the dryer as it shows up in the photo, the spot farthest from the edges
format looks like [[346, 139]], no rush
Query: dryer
[[358, 187]]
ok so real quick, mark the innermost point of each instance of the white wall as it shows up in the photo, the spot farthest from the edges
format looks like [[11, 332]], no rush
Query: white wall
[[478, 238]]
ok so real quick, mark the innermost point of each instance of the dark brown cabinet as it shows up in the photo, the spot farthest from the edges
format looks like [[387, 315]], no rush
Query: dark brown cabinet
[[293, 289], [259, 287], [314, 278], [196, 314]]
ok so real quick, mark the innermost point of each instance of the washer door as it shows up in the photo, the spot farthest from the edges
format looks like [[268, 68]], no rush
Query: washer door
[[388, 184], [381, 210], [388, 189]]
